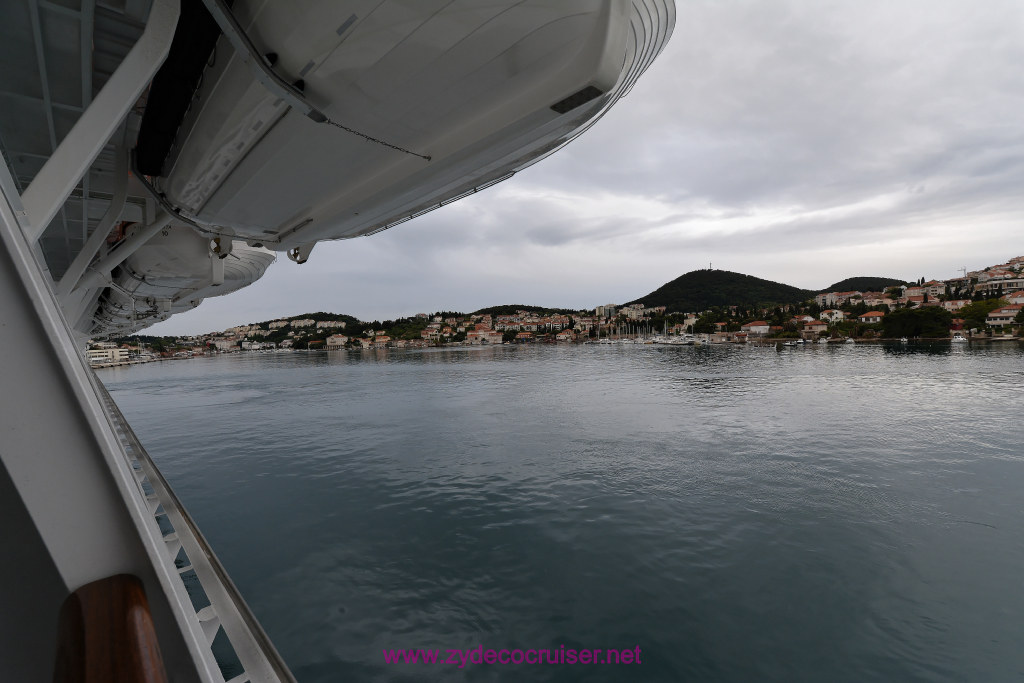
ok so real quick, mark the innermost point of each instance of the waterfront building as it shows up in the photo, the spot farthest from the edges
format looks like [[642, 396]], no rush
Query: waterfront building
[[814, 328], [336, 341], [1003, 316], [758, 328]]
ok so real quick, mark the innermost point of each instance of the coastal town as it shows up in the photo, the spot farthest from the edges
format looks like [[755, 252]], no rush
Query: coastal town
[[986, 304]]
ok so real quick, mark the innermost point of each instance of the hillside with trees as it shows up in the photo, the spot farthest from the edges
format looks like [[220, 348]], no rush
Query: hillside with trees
[[700, 290], [863, 284], [318, 316], [976, 313], [930, 321], [512, 309]]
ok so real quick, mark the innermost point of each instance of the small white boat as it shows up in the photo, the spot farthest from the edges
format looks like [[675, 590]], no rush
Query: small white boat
[[903, 340], [959, 339], [849, 341]]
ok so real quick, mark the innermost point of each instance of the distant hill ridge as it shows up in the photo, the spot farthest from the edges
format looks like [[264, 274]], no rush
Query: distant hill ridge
[[695, 291], [863, 284], [700, 290], [510, 309], [318, 316]]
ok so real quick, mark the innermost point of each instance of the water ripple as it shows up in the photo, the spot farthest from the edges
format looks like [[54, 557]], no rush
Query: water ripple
[[740, 513]]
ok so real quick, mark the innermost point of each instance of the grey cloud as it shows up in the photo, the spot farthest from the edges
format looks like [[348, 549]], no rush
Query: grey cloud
[[777, 100]]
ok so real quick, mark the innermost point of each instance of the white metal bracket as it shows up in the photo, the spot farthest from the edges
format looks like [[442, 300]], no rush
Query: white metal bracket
[[99, 235], [216, 270], [128, 247]]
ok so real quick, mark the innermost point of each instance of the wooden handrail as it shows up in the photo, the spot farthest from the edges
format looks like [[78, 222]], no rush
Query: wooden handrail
[[105, 635]]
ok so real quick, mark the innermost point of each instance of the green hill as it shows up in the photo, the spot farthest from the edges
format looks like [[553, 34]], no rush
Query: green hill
[[863, 284], [702, 289], [318, 316], [510, 309]]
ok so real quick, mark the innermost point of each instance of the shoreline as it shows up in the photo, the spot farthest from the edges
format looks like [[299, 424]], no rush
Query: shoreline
[[759, 343]]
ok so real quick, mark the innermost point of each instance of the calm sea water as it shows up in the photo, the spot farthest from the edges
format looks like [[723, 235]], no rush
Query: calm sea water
[[740, 514]]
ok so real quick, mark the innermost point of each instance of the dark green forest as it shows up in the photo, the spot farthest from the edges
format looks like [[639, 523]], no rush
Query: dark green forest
[[930, 321], [510, 309], [863, 284], [700, 290]]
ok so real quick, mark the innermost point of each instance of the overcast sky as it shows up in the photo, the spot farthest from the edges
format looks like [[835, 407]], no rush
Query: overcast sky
[[801, 141]]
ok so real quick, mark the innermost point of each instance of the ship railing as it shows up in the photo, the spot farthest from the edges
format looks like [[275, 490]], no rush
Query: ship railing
[[238, 645]]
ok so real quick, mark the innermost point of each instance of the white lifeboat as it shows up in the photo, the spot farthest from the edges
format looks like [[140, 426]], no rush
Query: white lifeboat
[[416, 104]]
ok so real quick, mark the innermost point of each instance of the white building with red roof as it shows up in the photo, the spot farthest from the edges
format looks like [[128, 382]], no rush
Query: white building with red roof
[[954, 305], [814, 328], [1003, 316], [995, 274], [997, 286], [871, 317], [336, 341], [833, 315], [758, 327], [835, 298]]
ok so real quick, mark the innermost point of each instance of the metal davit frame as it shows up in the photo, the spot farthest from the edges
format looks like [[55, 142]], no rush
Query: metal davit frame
[[79, 497]]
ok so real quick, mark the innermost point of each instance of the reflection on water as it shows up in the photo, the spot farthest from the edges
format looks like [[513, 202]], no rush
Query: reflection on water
[[833, 512]]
